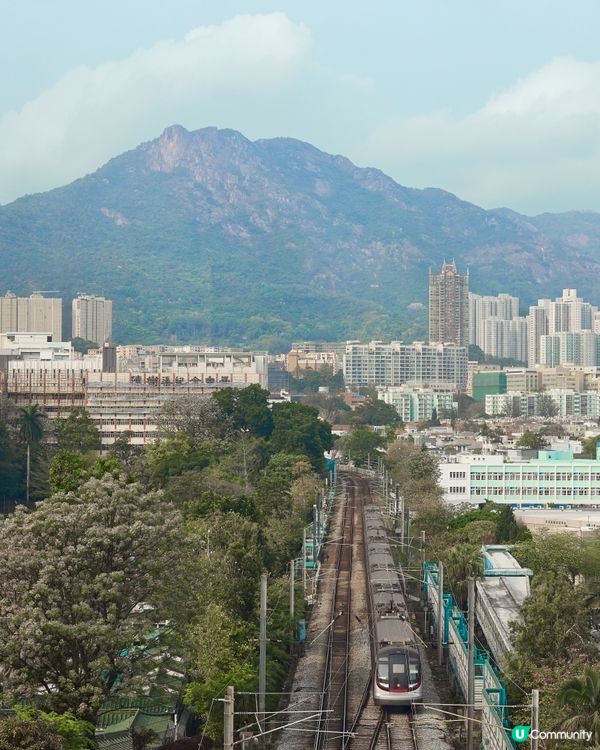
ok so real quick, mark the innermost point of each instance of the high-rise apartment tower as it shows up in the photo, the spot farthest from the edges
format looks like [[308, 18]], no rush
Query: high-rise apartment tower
[[33, 314], [449, 306], [92, 318]]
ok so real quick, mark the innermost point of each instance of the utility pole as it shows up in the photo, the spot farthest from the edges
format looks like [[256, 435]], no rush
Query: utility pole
[[440, 612], [402, 526], [228, 719], [535, 716], [292, 587], [304, 561], [28, 471], [262, 657], [471, 665]]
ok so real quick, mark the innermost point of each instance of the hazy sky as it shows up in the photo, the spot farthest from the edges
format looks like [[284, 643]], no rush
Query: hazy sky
[[498, 102]]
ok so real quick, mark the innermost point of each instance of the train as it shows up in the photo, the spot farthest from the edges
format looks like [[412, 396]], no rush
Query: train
[[396, 661]]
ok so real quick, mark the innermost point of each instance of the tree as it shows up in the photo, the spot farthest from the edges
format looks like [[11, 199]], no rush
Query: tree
[[512, 407], [31, 431], [68, 471], [298, 429], [72, 572], [78, 432], [532, 440], [76, 734], [416, 471], [507, 528], [273, 489], [546, 405], [123, 449], [461, 562], [560, 553], [31, 422], [332, 408], [554, 620], [172, 457], [376, 412], [589, 446], [222, 653], [28, 734], [83, 345], [581, 697], [200, 419], [360, 442], [10, 473], [248, 409], [232, 562]]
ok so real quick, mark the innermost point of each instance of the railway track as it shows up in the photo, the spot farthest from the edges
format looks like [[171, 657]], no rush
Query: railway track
[[371, 728], [375, 728], [333, 724]]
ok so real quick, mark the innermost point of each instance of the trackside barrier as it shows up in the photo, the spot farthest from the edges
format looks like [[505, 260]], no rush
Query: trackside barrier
[[490, 693]]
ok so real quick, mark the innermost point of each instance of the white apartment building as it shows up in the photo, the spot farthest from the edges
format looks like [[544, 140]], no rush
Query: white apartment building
[[397, 363], [566, 314], [34, 313], [92, 318], [567, 403], [417, 404], [495, 326], [577, 348], [505, 339]]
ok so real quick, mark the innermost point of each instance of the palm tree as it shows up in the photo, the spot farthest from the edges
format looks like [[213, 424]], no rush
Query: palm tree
[[31, 432], [581, 696], [462, 561]]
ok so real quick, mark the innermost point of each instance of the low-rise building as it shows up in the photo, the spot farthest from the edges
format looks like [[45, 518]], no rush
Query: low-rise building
[[523, 379], [554, 478], [297, 361], [559, 402]]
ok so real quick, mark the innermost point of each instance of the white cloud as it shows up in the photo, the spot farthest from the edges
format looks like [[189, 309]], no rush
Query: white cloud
[[533, 147], [92, 114]]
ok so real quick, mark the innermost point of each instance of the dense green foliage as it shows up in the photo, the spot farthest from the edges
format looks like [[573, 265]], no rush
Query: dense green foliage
[[32, 733], [533, 440], [376, 412], [77, 432], [223, 496], [83, 345]]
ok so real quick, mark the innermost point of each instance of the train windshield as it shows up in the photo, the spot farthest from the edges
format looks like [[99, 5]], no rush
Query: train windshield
[[398, 671]]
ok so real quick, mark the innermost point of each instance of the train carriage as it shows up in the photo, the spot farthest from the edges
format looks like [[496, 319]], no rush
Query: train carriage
[[396, 661]]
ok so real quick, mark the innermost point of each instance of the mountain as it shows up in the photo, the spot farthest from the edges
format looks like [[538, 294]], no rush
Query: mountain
[[206, 236]]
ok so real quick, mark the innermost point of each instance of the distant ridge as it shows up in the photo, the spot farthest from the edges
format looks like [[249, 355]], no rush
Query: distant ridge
[[207, 236]]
